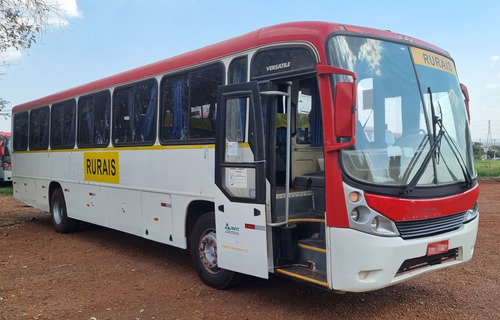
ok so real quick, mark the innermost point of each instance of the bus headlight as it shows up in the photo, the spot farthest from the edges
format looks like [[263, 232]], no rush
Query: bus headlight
[[472, 213], [363, 218], [355, 214]]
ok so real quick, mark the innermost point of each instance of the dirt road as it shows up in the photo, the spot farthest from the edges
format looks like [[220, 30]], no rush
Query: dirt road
[[98, 273]]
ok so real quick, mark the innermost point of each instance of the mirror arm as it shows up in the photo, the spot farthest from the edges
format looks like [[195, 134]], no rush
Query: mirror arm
[[465, 92], [323, 69]]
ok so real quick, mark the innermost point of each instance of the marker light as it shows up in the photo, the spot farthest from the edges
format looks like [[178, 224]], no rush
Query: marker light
[[354, 196], [375, 224]]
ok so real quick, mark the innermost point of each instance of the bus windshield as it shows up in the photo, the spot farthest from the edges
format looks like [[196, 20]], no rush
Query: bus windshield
[[412, 127], [7, 150]]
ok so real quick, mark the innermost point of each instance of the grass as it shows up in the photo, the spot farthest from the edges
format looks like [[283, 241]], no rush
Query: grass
[[488, 168], [5, 188]]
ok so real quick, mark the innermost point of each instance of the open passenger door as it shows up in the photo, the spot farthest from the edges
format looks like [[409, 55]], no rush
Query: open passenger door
[[240, 177]]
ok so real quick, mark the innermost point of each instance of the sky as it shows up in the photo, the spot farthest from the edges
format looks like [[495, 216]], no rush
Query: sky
[[102, 38]]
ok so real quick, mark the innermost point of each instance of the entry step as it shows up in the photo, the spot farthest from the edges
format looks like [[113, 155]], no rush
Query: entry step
[[313, 252], [304, 274]]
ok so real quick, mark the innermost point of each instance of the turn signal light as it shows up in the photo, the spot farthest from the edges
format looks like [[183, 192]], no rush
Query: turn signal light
[[354, 196]]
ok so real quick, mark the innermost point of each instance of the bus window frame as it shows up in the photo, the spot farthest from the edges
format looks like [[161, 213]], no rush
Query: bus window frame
[[285, 73], [16, 133], [52, 123], [232, 64], [79, 114], [46, 126], [114, 114], [186, 75]]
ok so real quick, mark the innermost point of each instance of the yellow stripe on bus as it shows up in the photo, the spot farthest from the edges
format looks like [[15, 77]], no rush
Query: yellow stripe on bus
[[132, 148], [128, 148]]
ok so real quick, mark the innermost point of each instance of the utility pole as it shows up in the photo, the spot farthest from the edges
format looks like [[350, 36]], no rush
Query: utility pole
[[489, 140]]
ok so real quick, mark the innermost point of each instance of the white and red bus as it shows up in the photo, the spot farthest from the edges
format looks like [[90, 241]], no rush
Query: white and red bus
[[5, 157], [334, 154]]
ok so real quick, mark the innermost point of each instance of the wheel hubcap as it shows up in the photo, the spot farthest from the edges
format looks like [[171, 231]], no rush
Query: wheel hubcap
[[208, 252], [57, 212]]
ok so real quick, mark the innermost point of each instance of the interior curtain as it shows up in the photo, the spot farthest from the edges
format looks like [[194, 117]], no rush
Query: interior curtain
[[178, 123], [150, 116]]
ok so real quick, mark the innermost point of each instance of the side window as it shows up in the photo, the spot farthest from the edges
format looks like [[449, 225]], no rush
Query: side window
[[20, 123], [174, 99], [309, 122], [284, 60], [189, 104], [238, 73], [238, 70], [203, 100], [135, 114], [39, 129], [93, 120], [235, 121], [63, 119]]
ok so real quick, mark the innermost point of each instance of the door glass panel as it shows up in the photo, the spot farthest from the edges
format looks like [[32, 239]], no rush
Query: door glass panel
[[236, 150]]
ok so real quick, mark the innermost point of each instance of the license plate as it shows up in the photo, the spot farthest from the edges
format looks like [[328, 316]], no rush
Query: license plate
[[437, 247]]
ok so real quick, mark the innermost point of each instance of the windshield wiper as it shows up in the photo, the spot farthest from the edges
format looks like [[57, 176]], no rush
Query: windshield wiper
[[410, 186], [436, 146], [461, 161]]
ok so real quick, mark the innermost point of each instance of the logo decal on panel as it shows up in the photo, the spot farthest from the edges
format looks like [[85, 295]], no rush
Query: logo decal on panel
[[101, 167]]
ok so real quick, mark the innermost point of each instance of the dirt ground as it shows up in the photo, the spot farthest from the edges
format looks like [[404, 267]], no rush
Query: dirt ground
[[98, 273]]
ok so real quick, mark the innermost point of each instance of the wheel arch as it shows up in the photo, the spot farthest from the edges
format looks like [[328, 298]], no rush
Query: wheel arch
[[194, 211], [52, 187]]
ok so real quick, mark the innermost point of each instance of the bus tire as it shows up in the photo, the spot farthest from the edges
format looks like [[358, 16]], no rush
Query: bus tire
[[60, 220], [203, 251]]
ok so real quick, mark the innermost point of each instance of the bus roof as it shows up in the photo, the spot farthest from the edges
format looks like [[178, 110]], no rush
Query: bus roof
[[313, 32]]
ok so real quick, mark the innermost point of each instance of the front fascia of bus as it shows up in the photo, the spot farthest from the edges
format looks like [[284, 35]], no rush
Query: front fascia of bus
[[5, 159], [412, 130], [410, 170]]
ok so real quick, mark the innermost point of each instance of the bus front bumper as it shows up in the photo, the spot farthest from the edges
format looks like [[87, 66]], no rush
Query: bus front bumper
[[364, 262]]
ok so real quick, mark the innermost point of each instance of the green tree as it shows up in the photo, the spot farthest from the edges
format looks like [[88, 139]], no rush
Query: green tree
[[496, 151], [3, 104], [21, 22], [478, 150]]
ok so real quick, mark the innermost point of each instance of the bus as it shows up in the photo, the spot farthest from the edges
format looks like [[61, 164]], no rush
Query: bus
[[332, 154], [5, 157]]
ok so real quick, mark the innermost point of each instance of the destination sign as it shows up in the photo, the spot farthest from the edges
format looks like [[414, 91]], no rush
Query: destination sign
[[101, 167], [433, 60]]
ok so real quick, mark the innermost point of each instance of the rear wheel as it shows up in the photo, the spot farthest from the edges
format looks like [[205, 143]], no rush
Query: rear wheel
[[204, 254], [60, 220]]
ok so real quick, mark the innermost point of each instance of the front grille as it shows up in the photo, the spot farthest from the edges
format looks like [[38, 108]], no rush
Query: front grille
[[422, 262], [427, 227]]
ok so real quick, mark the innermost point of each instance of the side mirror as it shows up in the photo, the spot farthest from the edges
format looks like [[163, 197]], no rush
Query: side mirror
[[344, 108], [465, 92]]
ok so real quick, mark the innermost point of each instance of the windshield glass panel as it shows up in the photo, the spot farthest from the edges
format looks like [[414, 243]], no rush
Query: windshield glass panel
[[7, 150], [443, 97], [400, 139]]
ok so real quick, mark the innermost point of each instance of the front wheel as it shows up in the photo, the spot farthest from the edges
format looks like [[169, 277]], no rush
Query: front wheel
[[204, 254], [60, 220]]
